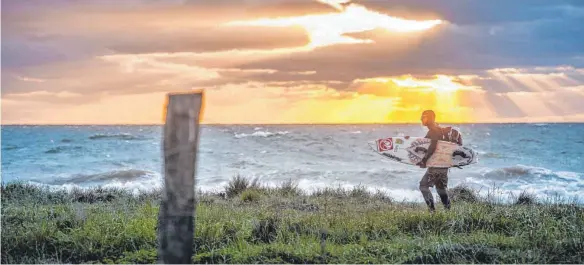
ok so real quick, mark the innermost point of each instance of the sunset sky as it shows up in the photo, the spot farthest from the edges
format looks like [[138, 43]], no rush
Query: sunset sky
[[293, 61]]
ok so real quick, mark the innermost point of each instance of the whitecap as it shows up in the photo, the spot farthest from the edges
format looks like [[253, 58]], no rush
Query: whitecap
[[119, 136], [261, 134], [517, 171]]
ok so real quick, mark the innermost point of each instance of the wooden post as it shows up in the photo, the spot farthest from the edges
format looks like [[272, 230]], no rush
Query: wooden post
[[177, 210]]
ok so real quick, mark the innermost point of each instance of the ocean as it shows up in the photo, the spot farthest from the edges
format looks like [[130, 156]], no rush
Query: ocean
[[546, 159]]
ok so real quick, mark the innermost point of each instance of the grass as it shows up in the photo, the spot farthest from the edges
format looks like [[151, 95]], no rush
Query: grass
[[251, 223]]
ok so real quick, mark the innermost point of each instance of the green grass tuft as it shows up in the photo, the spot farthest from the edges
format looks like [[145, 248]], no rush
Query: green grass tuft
[[265, 230], [463, 193], [289, 188], [239, 184], [526, 198], [251, 196]]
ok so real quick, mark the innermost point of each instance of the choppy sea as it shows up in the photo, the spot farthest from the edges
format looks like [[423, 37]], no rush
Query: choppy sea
[[546, 159]]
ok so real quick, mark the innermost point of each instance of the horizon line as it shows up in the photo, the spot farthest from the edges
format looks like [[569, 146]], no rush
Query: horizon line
[[298, 124]]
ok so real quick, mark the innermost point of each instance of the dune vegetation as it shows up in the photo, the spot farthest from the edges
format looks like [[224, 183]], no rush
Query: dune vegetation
[[249, 222]]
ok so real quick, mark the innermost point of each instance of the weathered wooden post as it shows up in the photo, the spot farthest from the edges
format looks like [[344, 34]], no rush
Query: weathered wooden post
[[177, 209]]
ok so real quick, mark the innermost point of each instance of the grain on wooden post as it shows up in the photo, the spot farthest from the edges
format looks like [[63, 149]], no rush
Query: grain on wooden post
[[177, 210]]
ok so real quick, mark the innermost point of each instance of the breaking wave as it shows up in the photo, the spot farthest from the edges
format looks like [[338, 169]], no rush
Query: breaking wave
[[9, 147], [128, 175], [60, 149], [490, 154], [543, 182], [261, 134], [519, 171], [120, 136], [530, 140]]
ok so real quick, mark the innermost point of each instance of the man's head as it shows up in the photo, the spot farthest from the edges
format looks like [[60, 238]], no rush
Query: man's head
[[428, 117]]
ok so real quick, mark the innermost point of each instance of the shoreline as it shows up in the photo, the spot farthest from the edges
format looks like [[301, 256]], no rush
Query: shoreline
[[250, 223], [492, 194]]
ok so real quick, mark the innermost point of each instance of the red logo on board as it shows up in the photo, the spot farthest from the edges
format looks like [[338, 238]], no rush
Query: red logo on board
[[385, 144]]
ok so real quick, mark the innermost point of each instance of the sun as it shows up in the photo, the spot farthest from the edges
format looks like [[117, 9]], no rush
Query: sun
[[410, 95]]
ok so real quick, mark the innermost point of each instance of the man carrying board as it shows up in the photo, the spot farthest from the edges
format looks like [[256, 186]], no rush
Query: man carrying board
[[436, 176]]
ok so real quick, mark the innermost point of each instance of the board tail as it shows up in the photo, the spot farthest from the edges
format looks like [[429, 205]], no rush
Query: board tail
[[373, 145]]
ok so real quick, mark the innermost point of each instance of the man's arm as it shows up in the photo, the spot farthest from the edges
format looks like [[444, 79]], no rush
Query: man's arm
[[434, 137], [431, 150]]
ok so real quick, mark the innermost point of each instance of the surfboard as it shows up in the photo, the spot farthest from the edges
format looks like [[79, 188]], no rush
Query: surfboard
[[411, 150]]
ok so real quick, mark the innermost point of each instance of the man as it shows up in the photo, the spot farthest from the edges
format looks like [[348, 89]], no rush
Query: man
[[434, 176]]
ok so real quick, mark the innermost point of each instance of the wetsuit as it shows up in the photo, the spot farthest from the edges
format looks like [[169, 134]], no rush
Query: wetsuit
[[435, 176]]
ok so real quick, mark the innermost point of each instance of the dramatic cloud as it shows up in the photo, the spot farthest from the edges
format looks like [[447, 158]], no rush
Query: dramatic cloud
[[448, 50], [330, 29], [476, 35], [67, 61], [36, 35], [477, 12]]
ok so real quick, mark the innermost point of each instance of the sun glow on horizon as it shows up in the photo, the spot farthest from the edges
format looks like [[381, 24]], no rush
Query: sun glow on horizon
[[412, 95], [329, 29]]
